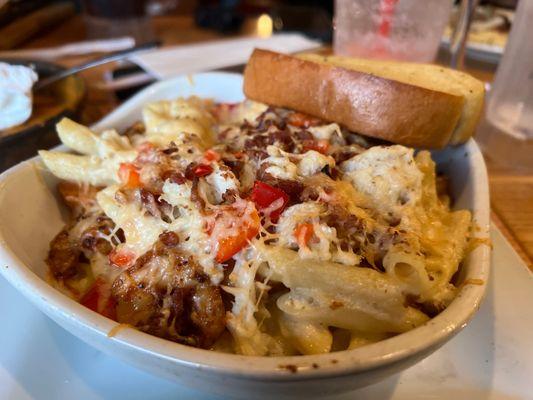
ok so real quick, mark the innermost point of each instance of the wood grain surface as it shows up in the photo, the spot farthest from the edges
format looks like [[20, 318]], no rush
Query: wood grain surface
[[511, 191]]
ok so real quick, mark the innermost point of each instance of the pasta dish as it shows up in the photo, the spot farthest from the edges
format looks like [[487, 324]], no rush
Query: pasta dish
[[251, 229]]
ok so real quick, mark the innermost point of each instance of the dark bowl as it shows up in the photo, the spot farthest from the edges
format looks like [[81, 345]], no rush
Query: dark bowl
[[59, 100]]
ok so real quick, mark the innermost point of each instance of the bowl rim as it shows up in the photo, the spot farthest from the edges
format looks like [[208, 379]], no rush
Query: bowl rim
[[431, 334]]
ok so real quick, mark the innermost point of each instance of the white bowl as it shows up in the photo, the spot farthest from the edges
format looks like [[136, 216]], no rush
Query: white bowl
[[30, 215]]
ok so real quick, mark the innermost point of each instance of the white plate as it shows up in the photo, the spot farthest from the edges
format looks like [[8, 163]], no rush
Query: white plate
[[192, 58], [491, 359], [488, 53]]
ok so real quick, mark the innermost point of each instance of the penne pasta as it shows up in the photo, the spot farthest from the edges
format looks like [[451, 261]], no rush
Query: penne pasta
[[81, 169], [306, 336], [81, 139], [77, 137], [346, 297], [409, 269]]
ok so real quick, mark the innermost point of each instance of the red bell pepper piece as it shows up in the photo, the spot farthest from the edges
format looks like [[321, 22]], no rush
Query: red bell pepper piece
[[129, 175], [99, 299], [211, 155], [229, 246], [303, 234], [121, 258], [263, 195], [302, 120], [202, 170], [322, 145]]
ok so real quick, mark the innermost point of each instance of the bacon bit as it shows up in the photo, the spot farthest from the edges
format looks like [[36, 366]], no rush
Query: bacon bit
[[303, 234], [129, 176], [289, 367], [336, 304], [121, 258], [303, 120], [117, 328], [202, 170], [189, 171], [169, 239], [173, 176], [211, 155], [322, 145]]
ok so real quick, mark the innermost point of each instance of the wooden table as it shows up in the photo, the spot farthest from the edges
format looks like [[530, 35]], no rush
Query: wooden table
[[511, 191]]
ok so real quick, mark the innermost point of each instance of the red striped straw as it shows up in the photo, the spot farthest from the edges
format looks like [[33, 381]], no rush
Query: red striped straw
[[386, 11]]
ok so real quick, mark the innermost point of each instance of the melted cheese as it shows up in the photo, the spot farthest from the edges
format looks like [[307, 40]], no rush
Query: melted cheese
[[248, 110], [140, 229], [323, 246], [241, 322], [109, 142], [190, 224], [312, 162], [377, 183], [325, 132], [280, 166], [220, 181], [387, 176], [289, 166]]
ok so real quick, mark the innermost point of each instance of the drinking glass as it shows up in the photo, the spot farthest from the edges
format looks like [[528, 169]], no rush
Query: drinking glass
[[115, 18], [408, 30], [507, 132]]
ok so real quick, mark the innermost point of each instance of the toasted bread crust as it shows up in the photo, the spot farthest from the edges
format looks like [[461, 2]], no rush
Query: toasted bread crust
[[364, 103]]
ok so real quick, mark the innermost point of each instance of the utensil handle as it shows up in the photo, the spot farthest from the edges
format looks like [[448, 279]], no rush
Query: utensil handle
[[94, 63], [460, 33]]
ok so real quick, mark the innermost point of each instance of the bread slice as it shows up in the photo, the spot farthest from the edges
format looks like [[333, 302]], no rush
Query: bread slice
[[354, 93], [429, 76]]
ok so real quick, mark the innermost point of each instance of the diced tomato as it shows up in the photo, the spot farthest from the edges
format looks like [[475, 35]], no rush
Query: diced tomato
[[239, 154], [303, 234], [322, 145], [91, 298], [303, 120], [121, 258], [263, 195], [202, 170], [99, 299], [129, 175], [211, 155], [110, 308], [229, 246]]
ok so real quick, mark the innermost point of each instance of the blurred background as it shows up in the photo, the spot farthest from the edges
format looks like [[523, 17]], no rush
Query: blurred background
[[51, 35], [69, 32]]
